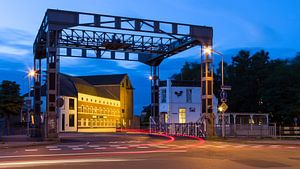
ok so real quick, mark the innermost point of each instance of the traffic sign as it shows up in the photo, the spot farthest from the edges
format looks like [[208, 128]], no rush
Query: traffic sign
[[223, 107], [226, 87]]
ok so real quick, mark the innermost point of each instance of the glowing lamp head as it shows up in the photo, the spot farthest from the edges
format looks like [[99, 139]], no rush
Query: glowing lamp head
[[220, 109], [150, 78], [207, 50], [31, 73]]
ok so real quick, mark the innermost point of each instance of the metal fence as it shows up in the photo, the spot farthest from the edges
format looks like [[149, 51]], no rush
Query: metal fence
[[178, 129], [292, 132], [247, 130]]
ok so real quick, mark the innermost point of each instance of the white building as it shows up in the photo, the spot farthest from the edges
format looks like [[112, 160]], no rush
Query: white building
[[180, 101]]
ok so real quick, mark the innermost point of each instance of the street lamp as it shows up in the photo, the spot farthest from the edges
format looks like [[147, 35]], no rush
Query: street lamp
[[208, 50], [30, 74]]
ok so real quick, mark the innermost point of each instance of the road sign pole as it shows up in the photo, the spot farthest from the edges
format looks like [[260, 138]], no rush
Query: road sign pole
[[223, 125]]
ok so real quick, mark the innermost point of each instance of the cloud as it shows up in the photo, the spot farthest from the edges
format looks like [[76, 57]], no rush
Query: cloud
[[9, 50], [16, 37], [128, 64]]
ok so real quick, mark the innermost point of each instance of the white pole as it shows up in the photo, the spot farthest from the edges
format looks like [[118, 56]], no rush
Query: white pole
[[223, 125]]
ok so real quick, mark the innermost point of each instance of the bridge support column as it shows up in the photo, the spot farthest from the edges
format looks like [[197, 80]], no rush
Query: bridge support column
[[207, 92], [154, 93], [51, 127]]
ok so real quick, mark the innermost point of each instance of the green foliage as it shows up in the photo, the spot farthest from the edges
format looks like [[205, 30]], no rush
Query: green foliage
[[10, 99], [258, 84], [189, 71]]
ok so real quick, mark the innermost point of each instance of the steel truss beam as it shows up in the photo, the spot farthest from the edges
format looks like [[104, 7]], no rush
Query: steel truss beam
[[157, 47], [170, 37]]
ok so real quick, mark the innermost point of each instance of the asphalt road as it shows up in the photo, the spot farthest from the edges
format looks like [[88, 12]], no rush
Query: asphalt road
[[122, 151]]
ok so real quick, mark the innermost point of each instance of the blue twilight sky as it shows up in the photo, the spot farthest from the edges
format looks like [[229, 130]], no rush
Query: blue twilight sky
[[273, 25]]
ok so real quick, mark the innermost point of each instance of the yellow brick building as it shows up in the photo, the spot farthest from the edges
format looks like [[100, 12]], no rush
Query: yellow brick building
[[100, 103]]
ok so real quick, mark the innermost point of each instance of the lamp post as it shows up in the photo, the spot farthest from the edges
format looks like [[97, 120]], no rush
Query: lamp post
[[30, 74], [209, 50]]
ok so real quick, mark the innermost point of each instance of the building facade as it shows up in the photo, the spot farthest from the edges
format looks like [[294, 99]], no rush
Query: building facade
[[100, 103], [180, 101]]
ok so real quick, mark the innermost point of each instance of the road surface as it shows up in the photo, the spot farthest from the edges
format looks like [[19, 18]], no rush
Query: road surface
[[130, 151]]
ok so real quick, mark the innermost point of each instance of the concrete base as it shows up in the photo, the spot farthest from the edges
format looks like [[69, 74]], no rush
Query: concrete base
[[97, 130]]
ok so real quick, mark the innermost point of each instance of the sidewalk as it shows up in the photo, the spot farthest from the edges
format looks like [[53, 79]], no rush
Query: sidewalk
[[21, 141], [259, 141]]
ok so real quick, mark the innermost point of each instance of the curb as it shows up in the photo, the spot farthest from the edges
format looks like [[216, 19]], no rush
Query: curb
[[267, 142], [28, 145]]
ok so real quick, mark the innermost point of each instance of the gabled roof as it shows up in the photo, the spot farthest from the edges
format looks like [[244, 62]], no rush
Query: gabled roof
[[83, 86], [92, 85], [104, 79]]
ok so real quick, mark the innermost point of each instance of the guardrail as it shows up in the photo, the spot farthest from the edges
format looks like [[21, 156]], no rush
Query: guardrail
[[285, 131]]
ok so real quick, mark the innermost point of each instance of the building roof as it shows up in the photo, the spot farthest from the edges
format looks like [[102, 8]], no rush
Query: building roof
[[104, 79], [71, 85]]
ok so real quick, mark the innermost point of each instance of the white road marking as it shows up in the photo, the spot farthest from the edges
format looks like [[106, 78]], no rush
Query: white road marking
[[113, 142], [240, 146], [77, 148], [93, 146], [100, 148], [31, 150], [142, 147], [51, 147], [49, 162], [257, 146], [291, 147], [221, 146], [54, 149], [122, 147], [114, 145], [274, 146], [133, 141], [181, 147]]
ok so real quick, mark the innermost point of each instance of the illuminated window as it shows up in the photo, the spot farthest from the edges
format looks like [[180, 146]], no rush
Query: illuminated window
[[182, 115], [166, 118]]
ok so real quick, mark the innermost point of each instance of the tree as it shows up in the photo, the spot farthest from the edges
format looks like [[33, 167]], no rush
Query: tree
[[189, 71], [10, 101]]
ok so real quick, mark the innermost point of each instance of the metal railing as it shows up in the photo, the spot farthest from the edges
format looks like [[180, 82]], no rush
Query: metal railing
[[286, 131], [178, 129], [247, 130]]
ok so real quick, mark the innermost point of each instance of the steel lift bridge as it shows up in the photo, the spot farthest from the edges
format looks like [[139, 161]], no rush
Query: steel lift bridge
[[88, 35]]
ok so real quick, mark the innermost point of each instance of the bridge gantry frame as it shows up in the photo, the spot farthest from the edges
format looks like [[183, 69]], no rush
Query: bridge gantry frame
[[87, 35]]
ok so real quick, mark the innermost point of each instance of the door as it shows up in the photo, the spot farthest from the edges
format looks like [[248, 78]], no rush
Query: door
[[182, 115], [63, 122]]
